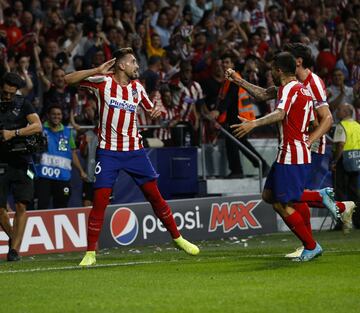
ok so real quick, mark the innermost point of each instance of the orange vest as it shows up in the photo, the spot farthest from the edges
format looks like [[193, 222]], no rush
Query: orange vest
[[245, 105]]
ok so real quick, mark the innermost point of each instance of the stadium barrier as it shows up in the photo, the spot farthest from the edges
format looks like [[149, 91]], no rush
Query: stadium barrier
[[64, 230]]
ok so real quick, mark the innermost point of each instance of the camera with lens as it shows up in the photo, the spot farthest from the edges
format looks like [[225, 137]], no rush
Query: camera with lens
[[36, 143]]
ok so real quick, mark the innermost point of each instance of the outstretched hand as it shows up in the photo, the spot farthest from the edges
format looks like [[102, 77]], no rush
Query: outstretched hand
[[155, 113], [105, 68], [240, 130]]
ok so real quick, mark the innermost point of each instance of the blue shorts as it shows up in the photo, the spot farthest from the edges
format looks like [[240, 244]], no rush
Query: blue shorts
[[314, 170], [287, 181], [110, 163]]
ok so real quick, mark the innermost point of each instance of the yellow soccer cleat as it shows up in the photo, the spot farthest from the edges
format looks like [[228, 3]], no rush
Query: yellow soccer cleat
[[187, 246], [89, 259]]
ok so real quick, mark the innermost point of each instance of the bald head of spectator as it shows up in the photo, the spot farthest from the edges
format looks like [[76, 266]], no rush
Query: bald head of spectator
[[58, 78], [52, 49], [344, 111]]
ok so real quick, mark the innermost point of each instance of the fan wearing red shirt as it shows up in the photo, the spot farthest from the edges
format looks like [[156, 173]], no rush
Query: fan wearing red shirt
[[120, 147]]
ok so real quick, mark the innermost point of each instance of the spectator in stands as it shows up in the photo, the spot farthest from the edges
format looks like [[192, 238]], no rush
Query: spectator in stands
[[54, 167], [235, 101], [12, 33], [188, 102], [325, 61], [59, 94], [151, 77], [345, 156], [338, 92], [153, 41]]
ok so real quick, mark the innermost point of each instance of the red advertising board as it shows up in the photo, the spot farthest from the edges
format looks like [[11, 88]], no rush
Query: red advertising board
[[51, 231]]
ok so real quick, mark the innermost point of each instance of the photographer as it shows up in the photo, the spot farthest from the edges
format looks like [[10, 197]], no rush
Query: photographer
[[17, 121]]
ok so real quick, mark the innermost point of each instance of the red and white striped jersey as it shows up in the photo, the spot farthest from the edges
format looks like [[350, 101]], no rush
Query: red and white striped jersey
[[297, 103], [168, 114], [117, 106], [186, 101], [317, 89]]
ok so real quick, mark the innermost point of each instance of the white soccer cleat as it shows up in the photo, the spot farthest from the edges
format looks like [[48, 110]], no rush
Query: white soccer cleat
[[296, 254], [346, 216]]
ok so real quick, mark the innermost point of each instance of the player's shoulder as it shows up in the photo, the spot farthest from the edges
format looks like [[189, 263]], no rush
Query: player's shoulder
[[137, 84], [315, 80]]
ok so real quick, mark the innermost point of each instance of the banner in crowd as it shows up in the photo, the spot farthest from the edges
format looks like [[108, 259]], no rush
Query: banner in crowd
[[64, 230]]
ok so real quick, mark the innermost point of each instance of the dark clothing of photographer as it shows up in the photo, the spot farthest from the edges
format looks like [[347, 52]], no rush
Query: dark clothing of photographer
[[18, 120]]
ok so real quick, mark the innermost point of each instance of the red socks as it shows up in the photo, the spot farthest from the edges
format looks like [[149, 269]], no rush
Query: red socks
[[304, 211], [96, 217], [160, 207], [297, 226], [341, 206], [313, 199]]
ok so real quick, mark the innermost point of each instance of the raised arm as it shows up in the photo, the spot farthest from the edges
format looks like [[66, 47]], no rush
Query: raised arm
[[259, 93], [78, 76]]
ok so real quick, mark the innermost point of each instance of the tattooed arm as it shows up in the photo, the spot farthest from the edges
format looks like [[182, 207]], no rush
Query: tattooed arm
[[240, 130], [259, 93]]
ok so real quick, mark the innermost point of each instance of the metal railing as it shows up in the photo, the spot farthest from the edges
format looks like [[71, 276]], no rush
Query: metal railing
[[241, 146]]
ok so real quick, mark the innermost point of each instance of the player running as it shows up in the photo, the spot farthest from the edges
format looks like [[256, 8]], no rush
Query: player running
[[285, 183], [120, 146]]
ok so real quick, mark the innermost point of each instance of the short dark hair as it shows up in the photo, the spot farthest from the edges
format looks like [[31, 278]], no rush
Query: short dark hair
[[12, 79], [286, 62], [120, 53], [299, 50], [154, 59], [54, 106], [228, 56]]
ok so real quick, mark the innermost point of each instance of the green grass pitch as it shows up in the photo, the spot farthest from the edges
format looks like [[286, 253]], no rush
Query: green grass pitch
[[233, 275]]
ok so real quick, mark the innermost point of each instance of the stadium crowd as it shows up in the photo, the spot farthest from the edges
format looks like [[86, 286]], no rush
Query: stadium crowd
[[183, 47]]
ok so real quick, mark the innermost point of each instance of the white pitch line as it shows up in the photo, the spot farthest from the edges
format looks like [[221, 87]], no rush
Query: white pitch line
[[76, 267]]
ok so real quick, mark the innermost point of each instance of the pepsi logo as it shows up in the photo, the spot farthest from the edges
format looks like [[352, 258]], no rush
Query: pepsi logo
[[124, 226]]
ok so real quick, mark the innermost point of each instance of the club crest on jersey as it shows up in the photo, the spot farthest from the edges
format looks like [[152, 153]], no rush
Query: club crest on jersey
[[122, 104], [135, 94]]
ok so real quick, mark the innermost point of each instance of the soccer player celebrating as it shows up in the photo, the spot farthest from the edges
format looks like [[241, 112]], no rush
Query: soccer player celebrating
[[285, 183], [120, 147], [322, 123]]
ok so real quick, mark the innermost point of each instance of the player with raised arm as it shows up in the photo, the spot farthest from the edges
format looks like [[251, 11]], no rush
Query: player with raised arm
[[323, 121], [118, 94], [285, 183]]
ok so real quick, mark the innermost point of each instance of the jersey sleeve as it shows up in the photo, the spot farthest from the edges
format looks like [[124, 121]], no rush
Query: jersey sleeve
[[285, 98], [318, 92], [145, 101], [92, 82]]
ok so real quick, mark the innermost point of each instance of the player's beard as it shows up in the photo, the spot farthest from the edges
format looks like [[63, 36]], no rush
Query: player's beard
[[134, 75]]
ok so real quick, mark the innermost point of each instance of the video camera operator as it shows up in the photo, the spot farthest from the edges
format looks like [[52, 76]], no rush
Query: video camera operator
[[18, 120]]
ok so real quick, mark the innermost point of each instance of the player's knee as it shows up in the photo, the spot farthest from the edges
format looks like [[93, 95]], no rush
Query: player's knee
[[267, 196]]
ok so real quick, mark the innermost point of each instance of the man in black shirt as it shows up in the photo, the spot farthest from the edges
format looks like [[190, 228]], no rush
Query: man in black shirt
[[17, 119]]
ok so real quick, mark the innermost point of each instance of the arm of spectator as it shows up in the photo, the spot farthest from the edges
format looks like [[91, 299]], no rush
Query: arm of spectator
[[77, 164], [337, 154], [32, 128], [39, 71], [28, 82], [78, 76], [243, 34], [149, 47], [259, 93], [325, 123]]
